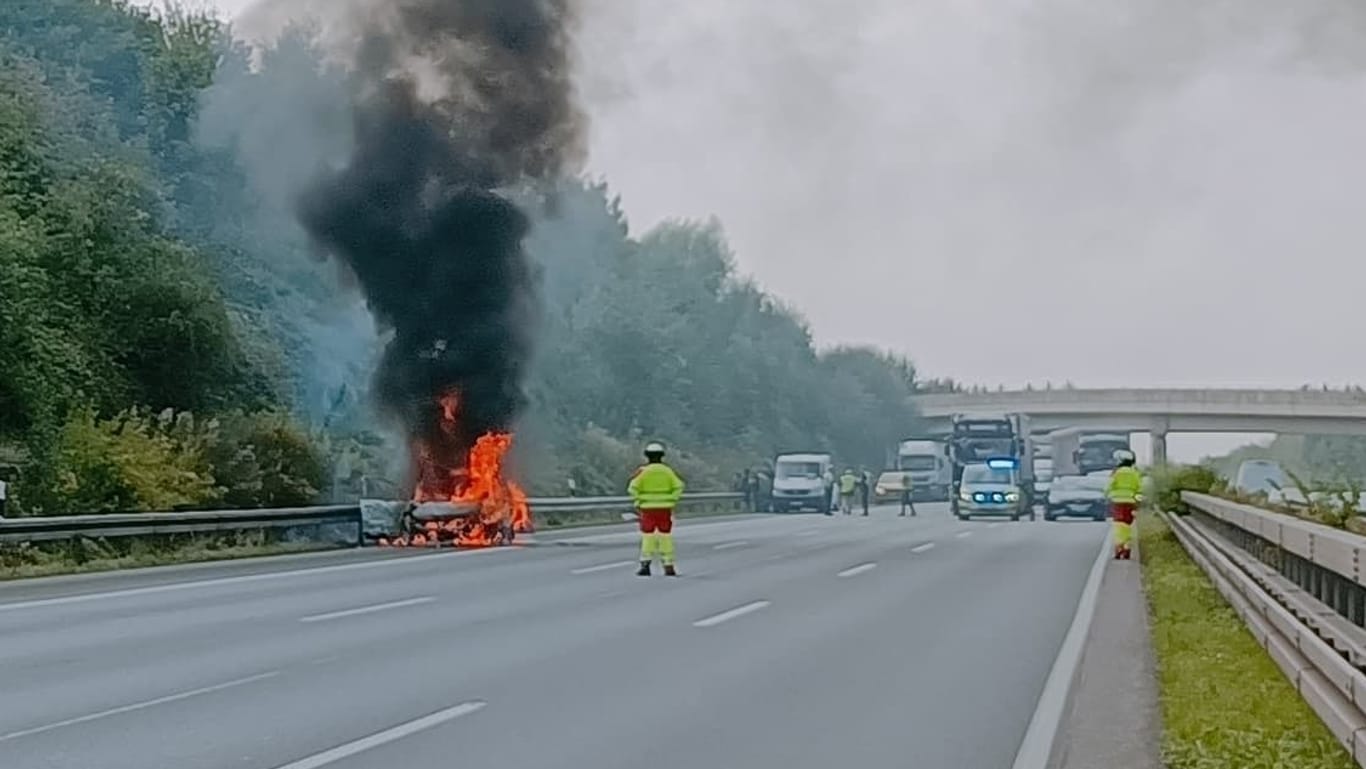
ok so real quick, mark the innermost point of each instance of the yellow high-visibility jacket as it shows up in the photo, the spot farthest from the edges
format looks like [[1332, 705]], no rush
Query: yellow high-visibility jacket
[[1126, 483], [655, 486]]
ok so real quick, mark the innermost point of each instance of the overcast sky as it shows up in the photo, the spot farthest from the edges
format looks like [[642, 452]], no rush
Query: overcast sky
[[1112, 192]]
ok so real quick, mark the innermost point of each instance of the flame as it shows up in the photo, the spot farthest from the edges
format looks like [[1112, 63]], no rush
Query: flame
[[500, 505]]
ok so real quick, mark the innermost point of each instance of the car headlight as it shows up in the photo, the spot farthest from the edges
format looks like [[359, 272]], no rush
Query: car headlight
[[965, 496], [1012, 496]]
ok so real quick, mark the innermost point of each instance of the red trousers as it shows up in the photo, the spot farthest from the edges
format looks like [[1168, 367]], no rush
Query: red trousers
[[652, 521], [1123, 512]]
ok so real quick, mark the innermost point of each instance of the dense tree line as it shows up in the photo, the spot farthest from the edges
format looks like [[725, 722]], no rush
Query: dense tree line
[[168, 339]]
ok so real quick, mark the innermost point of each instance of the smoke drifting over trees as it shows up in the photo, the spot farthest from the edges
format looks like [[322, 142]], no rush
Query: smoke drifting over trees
[[451, 102]]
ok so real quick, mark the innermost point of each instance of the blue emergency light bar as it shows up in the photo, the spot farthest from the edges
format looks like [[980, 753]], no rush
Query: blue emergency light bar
[[1002, 463]]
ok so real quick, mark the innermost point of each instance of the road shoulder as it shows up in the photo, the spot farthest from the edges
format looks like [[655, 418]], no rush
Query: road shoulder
[[1114, 718]]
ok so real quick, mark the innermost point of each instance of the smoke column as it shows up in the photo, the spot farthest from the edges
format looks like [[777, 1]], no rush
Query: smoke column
[[453, 102]]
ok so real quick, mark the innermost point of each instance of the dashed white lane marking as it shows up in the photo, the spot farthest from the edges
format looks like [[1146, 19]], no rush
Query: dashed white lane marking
[[604, 567], [368, 609], [856, 570], [963, 534], [730, 545], [731, 614], [923, 548], [388, 735], [140, 705], [174, 586]]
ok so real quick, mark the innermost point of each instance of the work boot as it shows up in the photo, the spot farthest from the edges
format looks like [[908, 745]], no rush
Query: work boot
[[644, 569], [669, 570]]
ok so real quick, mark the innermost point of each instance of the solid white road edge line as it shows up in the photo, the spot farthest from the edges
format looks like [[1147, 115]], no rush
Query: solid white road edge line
[[855, 570], [245, 578], [729, 545], [140, 705], [388, 735], [368, 609], [923, 548], [605, 567], [725, 616], [1037, 746]]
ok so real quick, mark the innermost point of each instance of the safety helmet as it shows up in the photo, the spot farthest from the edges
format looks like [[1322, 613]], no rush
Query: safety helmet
[[1124, 457], [654, 448]]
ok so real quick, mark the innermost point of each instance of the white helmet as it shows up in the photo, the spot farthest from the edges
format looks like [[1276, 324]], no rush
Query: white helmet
[[654, 447], [1124, 455]]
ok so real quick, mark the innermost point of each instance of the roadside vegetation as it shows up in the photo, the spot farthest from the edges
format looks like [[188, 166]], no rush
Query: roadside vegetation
[[1225, 703], [167, 338], [82, 555]]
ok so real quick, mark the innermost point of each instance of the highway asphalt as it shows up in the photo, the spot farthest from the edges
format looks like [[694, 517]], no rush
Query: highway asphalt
[[790, 641]]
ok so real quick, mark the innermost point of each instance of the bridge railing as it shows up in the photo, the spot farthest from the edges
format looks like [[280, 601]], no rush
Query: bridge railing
[[1301, 589], [340, 525]]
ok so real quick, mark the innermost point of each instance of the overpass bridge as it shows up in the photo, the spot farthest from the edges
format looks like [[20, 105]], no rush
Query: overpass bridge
[[1161, 411]]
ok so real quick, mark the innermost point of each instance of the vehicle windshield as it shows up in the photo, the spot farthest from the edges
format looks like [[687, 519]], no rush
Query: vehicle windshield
[[890, 478], [799, 470], [917, 462], [1099, 481], [985, 474]]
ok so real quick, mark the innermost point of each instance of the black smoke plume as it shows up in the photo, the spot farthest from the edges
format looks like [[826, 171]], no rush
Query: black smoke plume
[[454, 102]]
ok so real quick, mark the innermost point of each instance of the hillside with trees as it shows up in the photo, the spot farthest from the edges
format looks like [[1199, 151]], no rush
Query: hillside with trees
[[168, 338]]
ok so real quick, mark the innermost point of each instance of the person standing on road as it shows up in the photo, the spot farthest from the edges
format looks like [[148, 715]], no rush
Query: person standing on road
[[655, 490], [4, 494], [848, 485], [864, 484], [832, 490], [907, 495], [1124, 493]]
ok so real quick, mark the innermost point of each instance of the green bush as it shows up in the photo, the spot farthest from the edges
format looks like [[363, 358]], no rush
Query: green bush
[[128, 462], [1168, 482]]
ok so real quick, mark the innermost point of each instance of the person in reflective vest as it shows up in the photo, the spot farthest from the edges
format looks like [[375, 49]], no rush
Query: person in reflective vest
[[848, 485], [655, 490], [1124, 493]]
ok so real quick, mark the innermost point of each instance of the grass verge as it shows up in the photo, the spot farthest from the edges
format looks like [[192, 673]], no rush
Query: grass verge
[[1225, 704]]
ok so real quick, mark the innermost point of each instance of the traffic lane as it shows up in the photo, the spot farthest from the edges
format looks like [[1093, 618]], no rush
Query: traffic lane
[[928, 661], [100, 583], [78, 665], [107, 641], [178, 595], [388, 661]]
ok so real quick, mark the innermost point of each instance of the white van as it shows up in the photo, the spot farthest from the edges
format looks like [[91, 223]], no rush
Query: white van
[[802, 482]]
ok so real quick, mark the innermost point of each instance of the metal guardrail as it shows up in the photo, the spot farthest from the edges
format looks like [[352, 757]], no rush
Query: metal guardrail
[[346, 517], [47, 528], [1300, 587]]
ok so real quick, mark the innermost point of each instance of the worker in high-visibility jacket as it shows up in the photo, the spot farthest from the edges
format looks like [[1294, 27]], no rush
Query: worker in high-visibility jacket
[[1124, 492], [655, 489]]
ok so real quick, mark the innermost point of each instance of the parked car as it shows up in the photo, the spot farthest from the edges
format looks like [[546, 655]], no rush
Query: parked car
[[889, 487], [1081, 496]]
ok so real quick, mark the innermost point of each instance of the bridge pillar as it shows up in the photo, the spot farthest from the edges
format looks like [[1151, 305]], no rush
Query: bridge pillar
[[1159, 439]]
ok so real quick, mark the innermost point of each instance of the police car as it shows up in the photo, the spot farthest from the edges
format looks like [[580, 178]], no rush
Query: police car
[[992, 488]]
